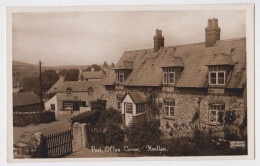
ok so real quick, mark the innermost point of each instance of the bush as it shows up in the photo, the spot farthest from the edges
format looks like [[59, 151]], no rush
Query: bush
[[86, 117], [179, 147], [142, 133], [108, 116], [99, 118], [114, 134], [99, 105]]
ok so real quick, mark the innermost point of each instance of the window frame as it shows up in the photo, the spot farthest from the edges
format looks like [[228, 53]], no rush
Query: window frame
[[126, 108], [217, 110], [167, 113], [119, 103], [69, 91], [217, 79], [217, 70], [119, 76], [53, 107], [166, 75], [140, 108], [90, 91]]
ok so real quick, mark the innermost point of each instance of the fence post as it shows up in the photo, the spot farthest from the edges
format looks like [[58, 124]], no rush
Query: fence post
[[84, 135], [87, 134]]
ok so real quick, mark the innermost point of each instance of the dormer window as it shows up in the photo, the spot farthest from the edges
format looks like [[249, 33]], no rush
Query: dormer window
[[69, 91], [90, 91], [217, 75], [119, 76], [168, 76]]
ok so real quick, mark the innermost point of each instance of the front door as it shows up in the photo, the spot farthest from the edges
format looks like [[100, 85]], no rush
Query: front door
[[128, 113]]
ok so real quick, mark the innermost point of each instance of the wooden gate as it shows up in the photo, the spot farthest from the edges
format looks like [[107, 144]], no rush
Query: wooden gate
[[57, 145], [95, 137]]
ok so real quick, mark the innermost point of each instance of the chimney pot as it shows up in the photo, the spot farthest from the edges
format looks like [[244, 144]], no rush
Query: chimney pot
[[158, 40]]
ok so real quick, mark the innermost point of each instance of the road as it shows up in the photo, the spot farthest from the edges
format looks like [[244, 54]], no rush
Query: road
[[62, 123]]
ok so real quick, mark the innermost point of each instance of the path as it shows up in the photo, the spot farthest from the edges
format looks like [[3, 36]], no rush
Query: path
[[62, 123]]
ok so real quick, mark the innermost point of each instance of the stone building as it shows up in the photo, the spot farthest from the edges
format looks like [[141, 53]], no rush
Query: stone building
[[204, 78], [74, 95]]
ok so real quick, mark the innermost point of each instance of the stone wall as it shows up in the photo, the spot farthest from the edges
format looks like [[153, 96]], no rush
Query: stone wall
[[185, 109], [79, 136], [29, 146], [186, 103], [28, 108], [26, 118]]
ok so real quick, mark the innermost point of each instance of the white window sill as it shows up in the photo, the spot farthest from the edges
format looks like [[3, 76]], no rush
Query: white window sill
[[140, 114]]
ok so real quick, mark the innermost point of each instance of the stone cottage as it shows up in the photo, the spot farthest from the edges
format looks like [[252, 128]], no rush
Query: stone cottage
[[204, 78], [74, 95]]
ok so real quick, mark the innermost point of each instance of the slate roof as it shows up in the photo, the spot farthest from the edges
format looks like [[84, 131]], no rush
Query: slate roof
[[136, 96], [55, 86], [80, 90], [78, 86], [193, 57], [25, 98], [92, 75], [220, 59]]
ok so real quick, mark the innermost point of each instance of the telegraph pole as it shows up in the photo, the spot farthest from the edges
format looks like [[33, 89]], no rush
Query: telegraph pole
[[40, 79]]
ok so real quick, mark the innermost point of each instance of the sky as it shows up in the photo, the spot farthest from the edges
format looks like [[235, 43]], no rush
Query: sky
[[85, 38]]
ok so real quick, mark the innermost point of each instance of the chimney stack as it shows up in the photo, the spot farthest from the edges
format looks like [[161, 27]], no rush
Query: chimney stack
[[19, 85], [158, 40], [62, 78], [212, 32]]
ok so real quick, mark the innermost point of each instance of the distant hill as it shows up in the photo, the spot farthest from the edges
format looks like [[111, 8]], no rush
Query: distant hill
[[23, 69], [22, 64]]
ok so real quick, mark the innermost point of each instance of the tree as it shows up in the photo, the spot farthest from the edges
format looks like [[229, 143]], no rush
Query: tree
[[95, 66], [70, 75], [113, 65], [49, 77], [105, 64], [31, 84]]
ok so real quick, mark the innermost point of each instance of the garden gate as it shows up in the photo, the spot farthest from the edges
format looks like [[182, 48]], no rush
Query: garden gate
[[57, 145], [95, 136]]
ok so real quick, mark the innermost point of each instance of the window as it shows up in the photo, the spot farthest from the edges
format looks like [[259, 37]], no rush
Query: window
[[140, 108], [118, 101], [169, 108], [216, 112], [83, 103], [90, 91], [52, 106], [69, 91], [129, 108], [217, 75], [168, 76], [68, 105], [119, 76]]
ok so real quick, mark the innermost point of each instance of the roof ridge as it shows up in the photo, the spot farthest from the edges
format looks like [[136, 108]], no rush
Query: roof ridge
[[234, 39], [188, 44]]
